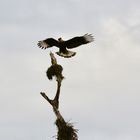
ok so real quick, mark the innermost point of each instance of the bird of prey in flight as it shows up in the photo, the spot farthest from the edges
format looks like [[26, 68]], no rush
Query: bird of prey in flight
[[64, 46]]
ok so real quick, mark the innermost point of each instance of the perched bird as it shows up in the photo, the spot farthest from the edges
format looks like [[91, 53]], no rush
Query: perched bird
[[65, 45], [55, 70]]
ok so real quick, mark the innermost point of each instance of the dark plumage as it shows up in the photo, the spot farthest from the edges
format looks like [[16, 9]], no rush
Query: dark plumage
[[64, 45], [55, 70]]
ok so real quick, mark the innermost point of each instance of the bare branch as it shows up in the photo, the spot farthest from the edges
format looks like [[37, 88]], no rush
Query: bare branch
[[66, 130]]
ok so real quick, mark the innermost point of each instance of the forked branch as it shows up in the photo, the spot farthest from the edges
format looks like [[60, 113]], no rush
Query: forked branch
[[66, 130]]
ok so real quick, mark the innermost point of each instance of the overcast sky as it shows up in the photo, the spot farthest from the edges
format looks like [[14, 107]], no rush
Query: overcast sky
[[101, 92]]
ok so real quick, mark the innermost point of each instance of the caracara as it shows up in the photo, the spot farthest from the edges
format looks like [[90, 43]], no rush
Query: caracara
[[55, 70], [65, 45]]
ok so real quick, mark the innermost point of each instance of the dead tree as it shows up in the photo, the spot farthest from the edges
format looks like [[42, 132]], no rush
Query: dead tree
[[66, 130]]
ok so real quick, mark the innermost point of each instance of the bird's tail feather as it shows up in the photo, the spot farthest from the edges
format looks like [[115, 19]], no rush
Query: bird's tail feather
[[66, 55]]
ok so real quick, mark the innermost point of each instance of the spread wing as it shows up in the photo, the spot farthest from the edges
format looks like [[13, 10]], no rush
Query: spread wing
[[47, 43], [77, 41]]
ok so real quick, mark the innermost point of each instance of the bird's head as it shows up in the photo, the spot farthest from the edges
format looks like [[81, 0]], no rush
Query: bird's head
[[60, 39]]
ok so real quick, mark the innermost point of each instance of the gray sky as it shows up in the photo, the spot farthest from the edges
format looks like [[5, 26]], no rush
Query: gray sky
[[101, 93]]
